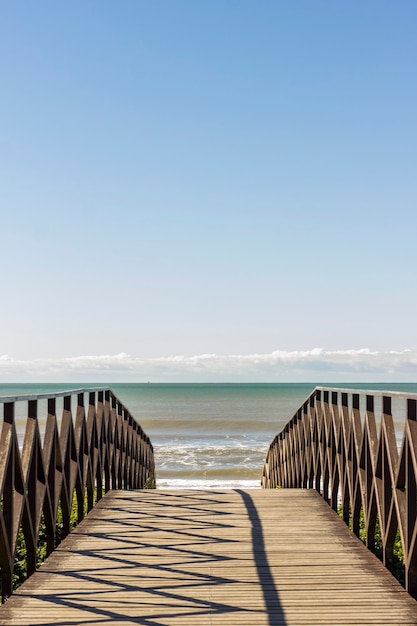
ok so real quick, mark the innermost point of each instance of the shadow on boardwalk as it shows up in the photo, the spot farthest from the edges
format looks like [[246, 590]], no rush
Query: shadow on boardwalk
[[266, 579], [156, 558], [277, 557]]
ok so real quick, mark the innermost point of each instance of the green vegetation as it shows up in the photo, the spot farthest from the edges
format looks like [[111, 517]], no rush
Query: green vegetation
[[20, 567], [150, 483], [397, 565]]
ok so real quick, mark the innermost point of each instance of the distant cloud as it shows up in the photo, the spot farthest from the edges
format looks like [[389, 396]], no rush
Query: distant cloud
[[317, 365]]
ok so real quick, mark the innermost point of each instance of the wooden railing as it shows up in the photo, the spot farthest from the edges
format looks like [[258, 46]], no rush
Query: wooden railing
[[89, 443], [343, 444]]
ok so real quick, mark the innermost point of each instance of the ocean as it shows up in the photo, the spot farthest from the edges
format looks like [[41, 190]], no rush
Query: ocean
[[206, 435]]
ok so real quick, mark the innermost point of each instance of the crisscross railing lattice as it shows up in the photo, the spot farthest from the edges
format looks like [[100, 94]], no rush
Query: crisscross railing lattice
[[340, 444], [92, 446]]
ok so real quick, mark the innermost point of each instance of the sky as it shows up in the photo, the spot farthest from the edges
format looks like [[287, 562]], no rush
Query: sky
[[220, 190]]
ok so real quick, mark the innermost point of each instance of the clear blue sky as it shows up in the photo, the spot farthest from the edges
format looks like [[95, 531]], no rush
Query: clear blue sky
[[228, 177]]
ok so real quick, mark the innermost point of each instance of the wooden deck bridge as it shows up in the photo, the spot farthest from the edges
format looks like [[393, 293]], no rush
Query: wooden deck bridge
[[226, 557], [211, 557]]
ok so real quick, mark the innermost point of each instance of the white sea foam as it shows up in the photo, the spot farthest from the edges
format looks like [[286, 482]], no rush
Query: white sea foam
[[204, 436], [180, 483]]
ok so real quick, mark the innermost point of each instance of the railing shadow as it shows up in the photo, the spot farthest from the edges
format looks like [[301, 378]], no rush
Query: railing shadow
[[270, 592], [176, 559]]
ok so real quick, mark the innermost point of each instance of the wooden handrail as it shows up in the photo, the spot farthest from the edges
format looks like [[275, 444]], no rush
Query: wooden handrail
[[332, 444], [47, 396], [97, 447]]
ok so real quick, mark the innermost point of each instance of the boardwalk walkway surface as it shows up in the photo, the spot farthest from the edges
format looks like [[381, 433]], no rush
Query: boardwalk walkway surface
[[227, 557]]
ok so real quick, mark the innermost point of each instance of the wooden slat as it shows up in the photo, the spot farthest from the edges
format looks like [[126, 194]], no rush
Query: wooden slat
[[227, 557]]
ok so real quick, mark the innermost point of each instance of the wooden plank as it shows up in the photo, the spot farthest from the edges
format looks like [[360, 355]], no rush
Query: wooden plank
[[231, 557]]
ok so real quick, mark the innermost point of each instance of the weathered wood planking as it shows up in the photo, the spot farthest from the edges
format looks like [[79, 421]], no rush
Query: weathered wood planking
[[230, 557]]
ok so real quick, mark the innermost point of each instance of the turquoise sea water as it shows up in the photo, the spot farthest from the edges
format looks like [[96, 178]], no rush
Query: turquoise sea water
[[206, 435]]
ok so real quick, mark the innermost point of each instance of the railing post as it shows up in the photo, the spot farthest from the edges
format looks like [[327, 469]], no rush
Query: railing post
[[324, 447], [357, 477], [8, 450], [335, 423], [107, 447], [345, 458], [100, 434], [114, 442], [53, 467], [82, 455], [411, 504], [91, 449], [306, 437], [388, 539], [70, 463], [315, 414], [311, 438], [32, 470], [121, 451], [370, 451]]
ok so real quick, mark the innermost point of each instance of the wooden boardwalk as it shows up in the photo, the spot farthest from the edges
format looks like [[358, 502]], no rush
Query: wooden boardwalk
[[226, 557]]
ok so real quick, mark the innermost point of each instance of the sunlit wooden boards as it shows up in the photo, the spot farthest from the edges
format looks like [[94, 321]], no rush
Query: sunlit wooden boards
[[229, 557]]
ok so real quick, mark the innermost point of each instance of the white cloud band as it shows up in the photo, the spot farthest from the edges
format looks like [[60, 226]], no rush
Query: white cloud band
[[315, 365]]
